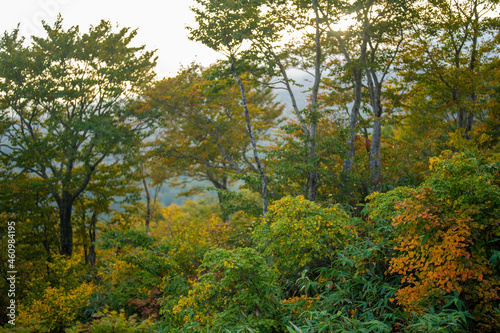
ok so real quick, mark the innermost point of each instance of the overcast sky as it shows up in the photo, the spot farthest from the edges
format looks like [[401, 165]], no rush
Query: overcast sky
[[161, 24]]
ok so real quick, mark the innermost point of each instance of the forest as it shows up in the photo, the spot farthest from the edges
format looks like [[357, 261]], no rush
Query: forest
[[366, 198]]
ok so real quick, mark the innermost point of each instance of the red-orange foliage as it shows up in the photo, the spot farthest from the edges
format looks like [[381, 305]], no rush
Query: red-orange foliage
[[448, 231]]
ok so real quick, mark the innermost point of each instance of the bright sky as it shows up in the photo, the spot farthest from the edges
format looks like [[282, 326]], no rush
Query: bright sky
[[161, 24]]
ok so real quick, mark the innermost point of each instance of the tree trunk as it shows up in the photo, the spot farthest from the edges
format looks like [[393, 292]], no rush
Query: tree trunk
[[147, 219], [375, 163], [468, 125], [92, 234], [220, 185], [375, 158], [472, 67], [313, 174], [225, 216], [253, 140], [353, 118], [66, 228], [357, 74]]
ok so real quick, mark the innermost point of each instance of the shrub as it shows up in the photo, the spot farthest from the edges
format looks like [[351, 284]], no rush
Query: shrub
[[112, 322], [302, 234], [353, 294], [448, 234], [235, 291], [56, 309], [131, 269]]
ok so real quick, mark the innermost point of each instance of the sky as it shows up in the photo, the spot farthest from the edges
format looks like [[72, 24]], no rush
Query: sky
[[161, 25]]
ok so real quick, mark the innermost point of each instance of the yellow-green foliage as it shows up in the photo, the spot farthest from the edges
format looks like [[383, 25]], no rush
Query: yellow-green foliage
[[125, 280], [131, 266], [56, 309], [111, 322], [188, 232], [57, 298], [236, 290], [301, 233]]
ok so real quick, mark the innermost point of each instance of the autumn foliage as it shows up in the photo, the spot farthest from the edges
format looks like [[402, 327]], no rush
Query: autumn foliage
[[364, 199], [447, 238]]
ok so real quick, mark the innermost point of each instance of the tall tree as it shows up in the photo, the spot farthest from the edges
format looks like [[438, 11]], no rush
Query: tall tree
[[257, 32], [220, 27], [369, 48], [444, 61], [202, 132], [386, 29], [64, 98]]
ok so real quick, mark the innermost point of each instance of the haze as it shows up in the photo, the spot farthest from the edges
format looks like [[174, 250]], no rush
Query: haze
[[161, 25]]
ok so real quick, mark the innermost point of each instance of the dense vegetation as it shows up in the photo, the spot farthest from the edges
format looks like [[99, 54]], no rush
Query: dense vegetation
[[376, 208]]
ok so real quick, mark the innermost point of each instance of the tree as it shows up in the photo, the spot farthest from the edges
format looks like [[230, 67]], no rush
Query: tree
[[64, 100], [446, 60], [156, 182], [202, 134], [25, 200], [368, 48], [256, 39], [151, 174], [260, 24], [290, 164]]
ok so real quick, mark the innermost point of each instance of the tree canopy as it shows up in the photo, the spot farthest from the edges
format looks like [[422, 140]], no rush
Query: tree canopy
[[65, 109]]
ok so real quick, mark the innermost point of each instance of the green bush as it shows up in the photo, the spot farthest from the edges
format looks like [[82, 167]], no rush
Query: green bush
[[236, 291], [301, 235], [353, 294]]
